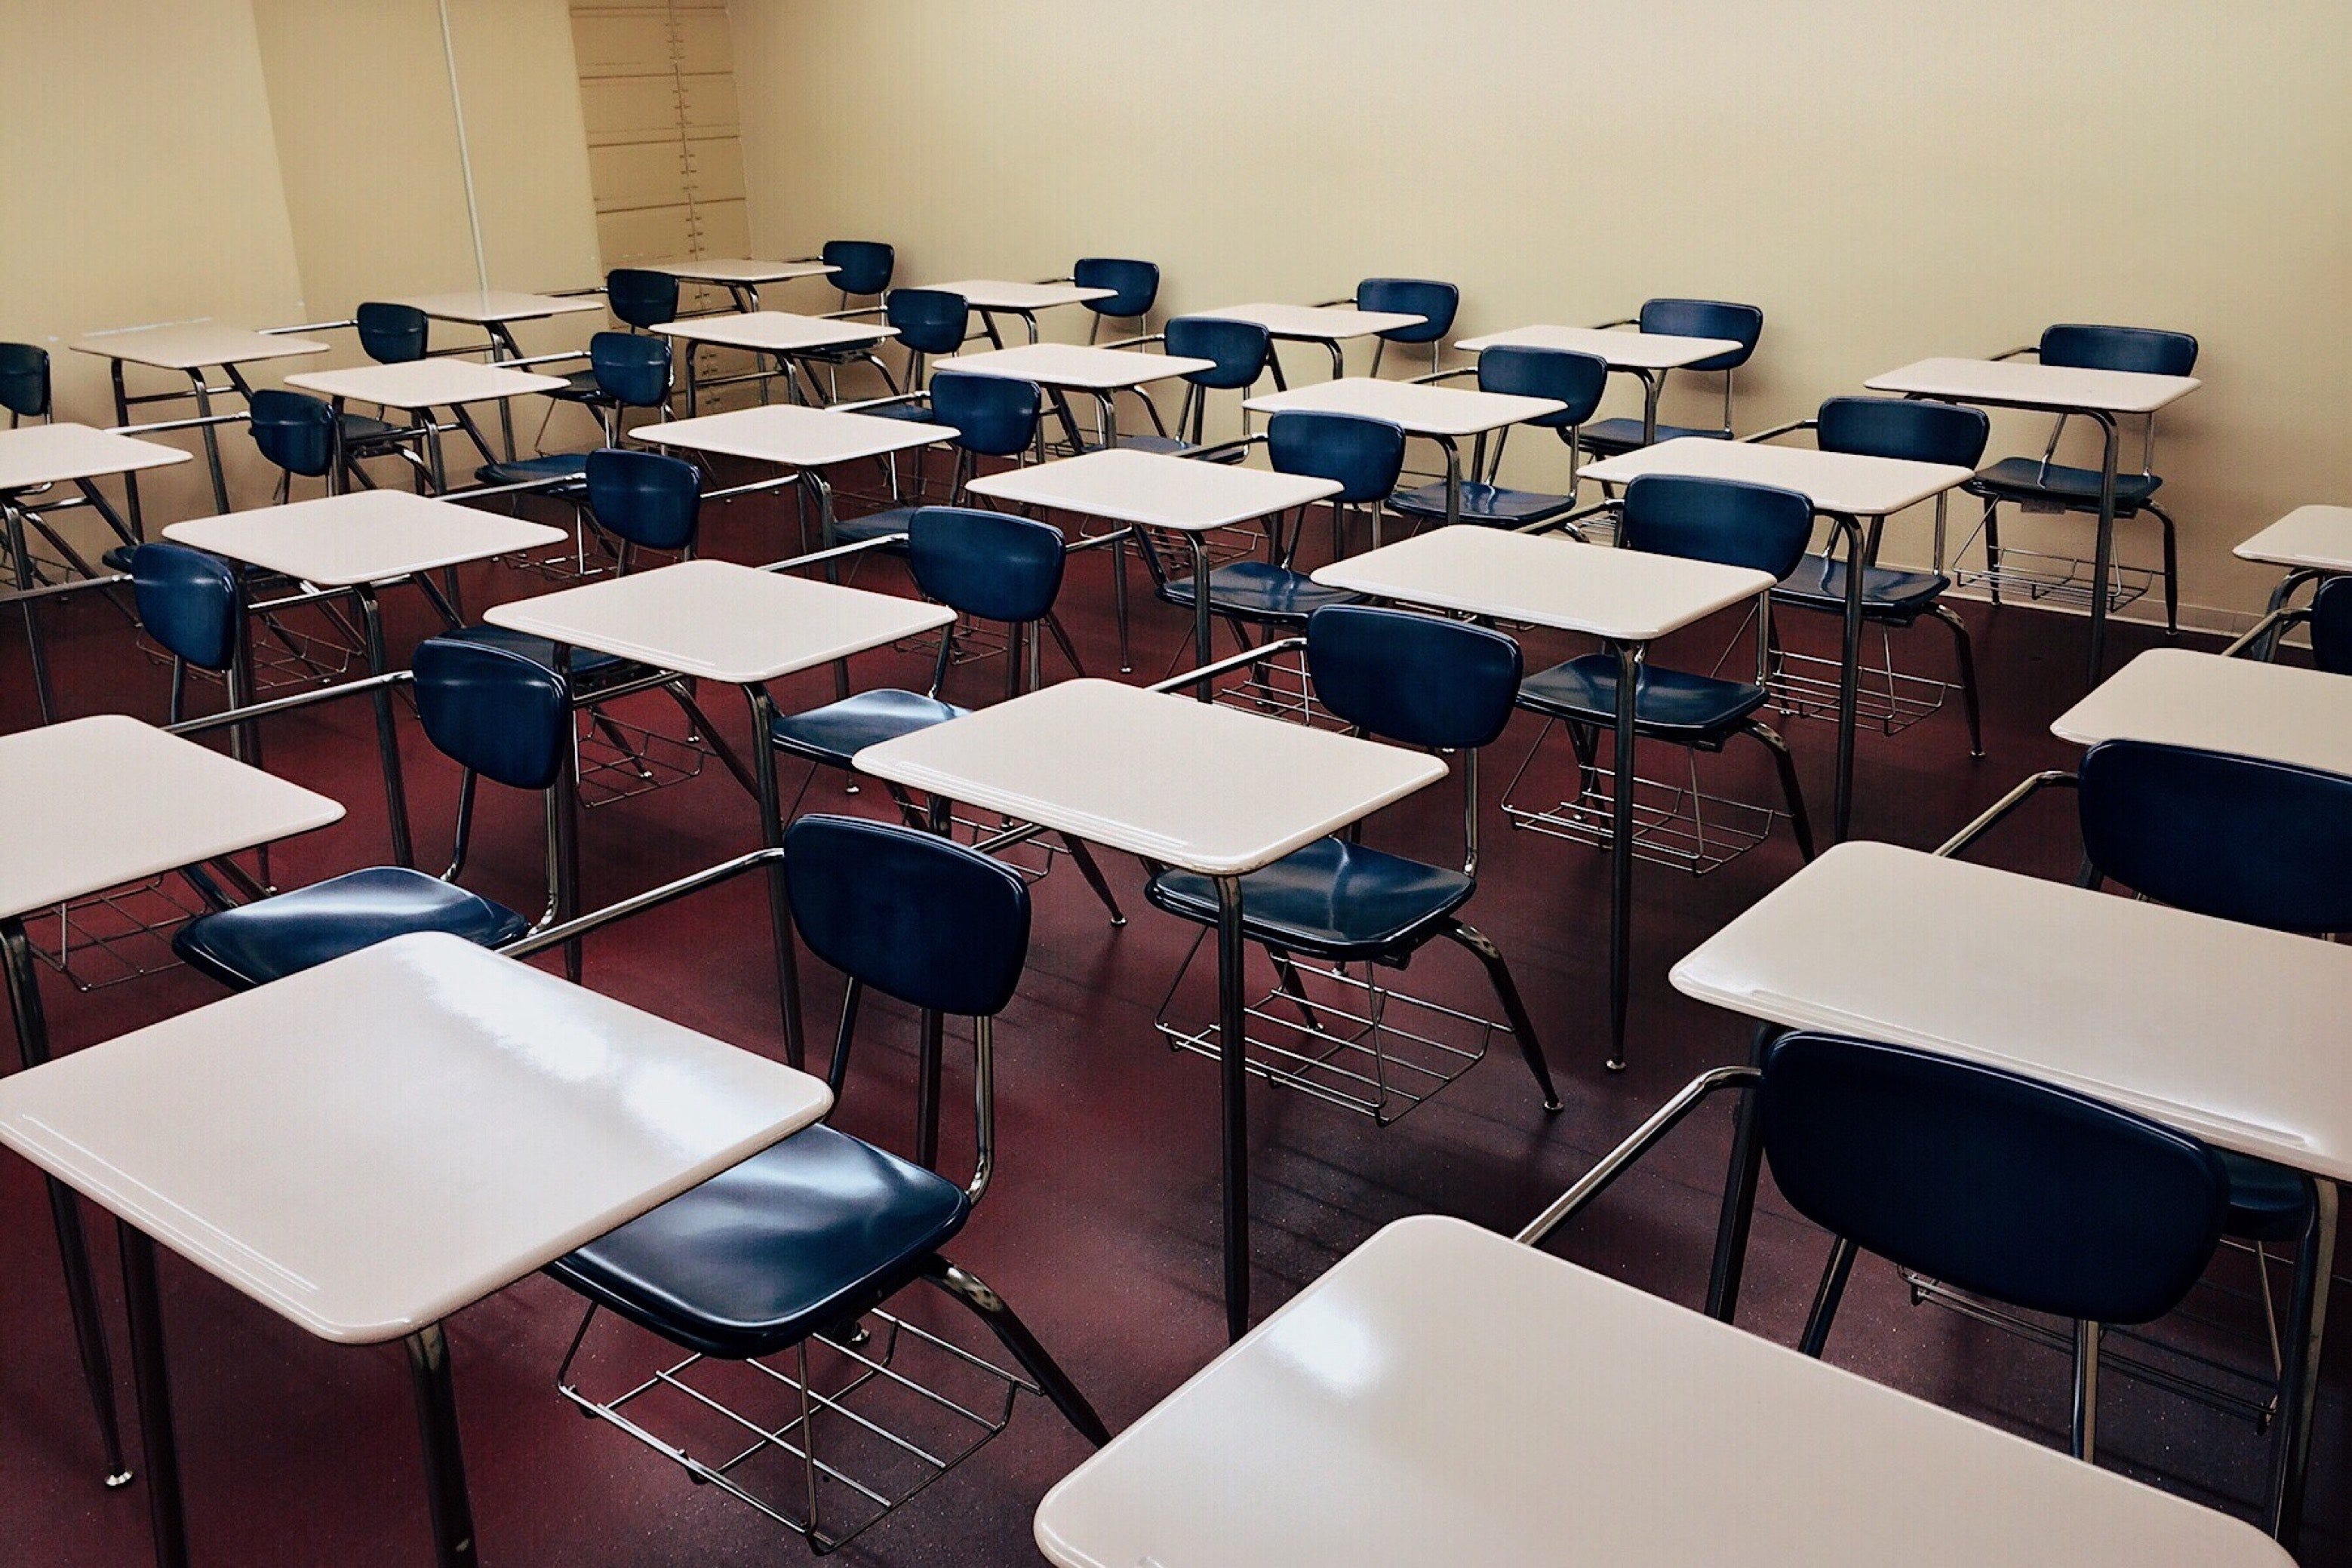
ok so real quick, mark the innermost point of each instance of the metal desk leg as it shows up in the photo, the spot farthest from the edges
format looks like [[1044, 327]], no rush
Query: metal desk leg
[[2306, 1327], [1200, 543], [1453, 489], [2103, 559], [1861, 551], [826, 525], [130, 479], [1654, 385], [772, 834], [1738, 1194], [504, 347], [1621, 844], [37, 650], [1338, 359], [445, 1461], [159, 1442], [387, 735], [211, 433], [1234, 1072], [65, 1208]]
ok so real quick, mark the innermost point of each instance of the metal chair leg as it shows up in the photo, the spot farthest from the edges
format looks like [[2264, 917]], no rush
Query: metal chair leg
[[2171, 570], [2086, 1392], [1826, 1297], [1083, 858], [1992, 548], [1010, 1332], [1789, 789], [1964, 650], [1506, 990]]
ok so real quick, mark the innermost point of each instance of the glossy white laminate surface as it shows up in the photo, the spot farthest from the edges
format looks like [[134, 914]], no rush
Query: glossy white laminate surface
[[193, 346], [96, 802], [34, 455], [1583, 1425], [1315, 324], [2318, 538], [1155, 490], [1005, 294], [1189, 783], [1845, 482], [775, 332], [1623, 350], [740, 269], [483, 307], [792, 437], [367, 1146], [2229, 1032], [1075, 365], [1420, 410], [1628, 596], [424, 383], [2279, 712], [721, 621], [2029, 384], [364, 536]]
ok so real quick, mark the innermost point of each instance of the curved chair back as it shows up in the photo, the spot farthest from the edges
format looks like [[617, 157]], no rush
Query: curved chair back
[[1433, 301], [641, 298], [860, 266], [929, 320], [1994, 1182], [1418, 680], [994, 415], [2147, 350], [1903, 427], [2331, 627], [293, 429], [986, 563], [1239, 350], [2234, 837], [1738, 524], [189, 602], [493, 710], [644, 497], [1743, 324], [1363, 456], [1134, 285], [24, 380], [632, 369], [913, 915], [1575, 379], [392, 334]]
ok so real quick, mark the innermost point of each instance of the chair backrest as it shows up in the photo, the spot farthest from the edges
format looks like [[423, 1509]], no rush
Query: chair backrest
[[1240, 349], [641, 298], [1743, 324], [2146, 350], [994, 415], [1134, 285], [1434, 301], [1422, 680], [929, 320], [293, 429], [1738, 524], [2331, 627], [861, 266], [986, 563], [1575, 379], [2234, 837], [1988, 1181], [494, 711], [24, 380], [631, 368], [913, 915], [651, 500], [1905, 427], [1363, 456], [392, 334], [189, 602]]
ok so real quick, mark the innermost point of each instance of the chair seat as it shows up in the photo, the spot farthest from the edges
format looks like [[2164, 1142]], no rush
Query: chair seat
[[1166, 445], [913, 412], [1669, 703], [2024, 478], [1486, 503], [1888, 593], [1258, 590], [579, 386], [839, 730], [1610, 436], [1332, 899], [581, 662], [875, 525], [2267, 1201], [571, 466], [360, 429], [254, 943], [800, 1237]]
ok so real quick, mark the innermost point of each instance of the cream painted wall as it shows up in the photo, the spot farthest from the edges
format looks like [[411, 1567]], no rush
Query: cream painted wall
[[1887, 181]]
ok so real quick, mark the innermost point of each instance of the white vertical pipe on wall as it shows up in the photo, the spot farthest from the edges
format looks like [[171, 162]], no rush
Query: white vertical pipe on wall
[[465, 153]]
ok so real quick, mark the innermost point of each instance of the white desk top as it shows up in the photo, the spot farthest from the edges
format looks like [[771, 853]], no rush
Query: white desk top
[[34, 455], [424, 383], [775, 332], [367, 1146], [96, 802], [1621, 348], [1627, 595], [738, 270], [1846, 483], [484, 307], [193, 346], [1193, 785], [2030, 383], [1155, 490], [1001, 294], [719, 621], [1315, 324], [792, 436], [2176, 697], [1421, 410], [364, 536], [2229, 1032], [2318, 537], [1583, 1425], [1075, 365]]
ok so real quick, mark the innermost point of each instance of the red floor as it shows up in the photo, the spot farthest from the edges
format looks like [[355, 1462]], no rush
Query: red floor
[[1101, 1228]]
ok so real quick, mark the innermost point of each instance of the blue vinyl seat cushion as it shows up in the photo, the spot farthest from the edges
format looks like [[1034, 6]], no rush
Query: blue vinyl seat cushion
[[524, 470], [1623, 435], [252, 944], [2025, 478], [1669, 704], [798, 1238], [540, 651], [1888, 593], [1258, 590], [839, 730], [1332, 899], [1495, 504]]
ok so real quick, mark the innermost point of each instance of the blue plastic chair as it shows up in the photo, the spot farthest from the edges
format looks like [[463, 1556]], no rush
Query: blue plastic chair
[[1239, 353], [1742, 324], [627, 370], [393, 333], [2331, 627], [295, 432], [993, 415], [931, 323], [1577, 380], [1436, 303], [863, 266], [193, 604], [641, 298], [25, 382], [1134, 285]]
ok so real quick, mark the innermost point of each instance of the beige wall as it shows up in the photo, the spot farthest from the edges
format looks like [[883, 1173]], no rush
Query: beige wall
[[1887, 181]]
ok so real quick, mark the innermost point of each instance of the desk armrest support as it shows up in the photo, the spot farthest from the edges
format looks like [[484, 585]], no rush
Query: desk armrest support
[[1614, 1164], [2000, 810]]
